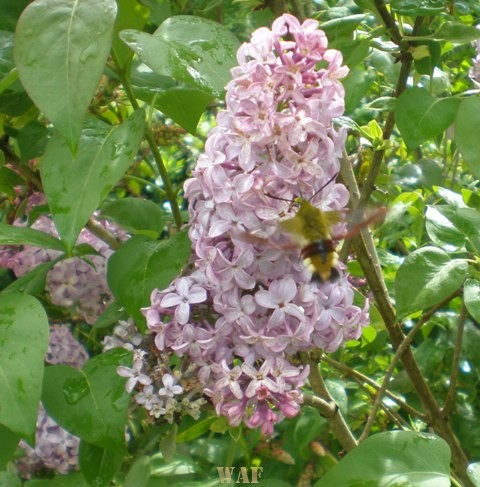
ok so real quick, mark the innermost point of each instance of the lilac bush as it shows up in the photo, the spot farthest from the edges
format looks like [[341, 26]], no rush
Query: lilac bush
[[246, 306]]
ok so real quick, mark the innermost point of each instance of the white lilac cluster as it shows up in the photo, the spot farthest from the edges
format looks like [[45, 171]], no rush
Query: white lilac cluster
[[124, 335], [71, 283], [248, 306], [55, 449], [165, 392]]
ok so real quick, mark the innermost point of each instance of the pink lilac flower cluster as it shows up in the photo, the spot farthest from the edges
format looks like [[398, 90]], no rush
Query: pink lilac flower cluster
[[71, 283], [249, 304], [55, 449]]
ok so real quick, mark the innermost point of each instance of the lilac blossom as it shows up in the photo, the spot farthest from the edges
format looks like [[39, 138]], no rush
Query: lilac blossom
[[72, 283], [248, 304], [55, 448]]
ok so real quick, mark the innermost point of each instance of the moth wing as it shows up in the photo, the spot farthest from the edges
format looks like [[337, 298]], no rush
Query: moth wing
[[333, 217], [294, 226]]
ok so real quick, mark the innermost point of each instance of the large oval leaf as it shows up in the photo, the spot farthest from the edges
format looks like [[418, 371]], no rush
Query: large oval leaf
[[91, 403], [392, 459], [426, 278], [75, 186], [141, 265], [421, 117], [61, 47], [442, 231], [189, 49], [467, 223], [23, 344]]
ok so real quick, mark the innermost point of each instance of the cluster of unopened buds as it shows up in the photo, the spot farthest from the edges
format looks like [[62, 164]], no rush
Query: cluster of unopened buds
[[246, 307]]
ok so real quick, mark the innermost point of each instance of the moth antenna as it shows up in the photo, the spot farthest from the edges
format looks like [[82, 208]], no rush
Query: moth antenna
[[311, 197], [324, 186], [278, 198]]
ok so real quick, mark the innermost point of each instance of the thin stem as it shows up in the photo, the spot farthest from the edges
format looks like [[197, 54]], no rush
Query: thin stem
[[103, 234], [363, 379], [386, 380], [389, 22], [153, 147], [146, 182], [451, 394], [336, 420], [406, 64], [393, 415]]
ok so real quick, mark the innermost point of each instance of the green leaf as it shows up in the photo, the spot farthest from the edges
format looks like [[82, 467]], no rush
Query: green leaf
[[456, 32], [139, 473], [427, 277], [32, 282], [198, 429], [74, 479], [14, 104], [141, 265], [308, 427], [23, 344], [60, 66], [342, 26], [421, 117], [402, 458], [168, 444], [7, 445], [415, 8], [466, 221], [9, 479], [466, 135], [8, 180], [189, 49], [32, 140], [183, 105], [113, 313], [12, 235], [357, 84], [471, 295], [131, 15], [473, 472], [136, 216], [98, 466], [75, 186], [442, 231], [11, 10], [426, 55], [91, 403]]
